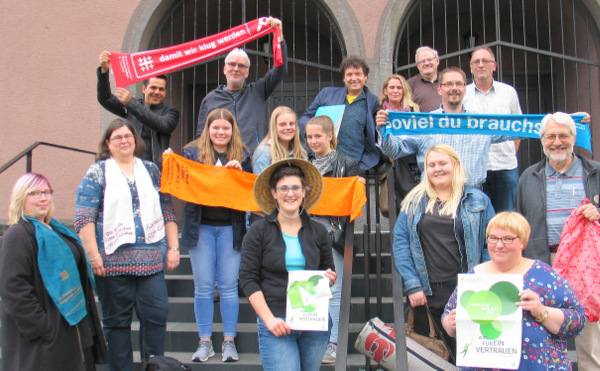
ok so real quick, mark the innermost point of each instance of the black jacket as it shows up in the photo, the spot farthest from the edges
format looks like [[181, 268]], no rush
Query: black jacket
[[263, 258], [154, 125], [341, 166], [34, 335]]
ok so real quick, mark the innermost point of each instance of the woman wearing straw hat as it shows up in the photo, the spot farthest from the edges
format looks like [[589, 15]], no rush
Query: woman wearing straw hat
[[285, 240]]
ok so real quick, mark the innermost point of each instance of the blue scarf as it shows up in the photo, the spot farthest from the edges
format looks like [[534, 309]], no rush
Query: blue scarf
[[59, 271]]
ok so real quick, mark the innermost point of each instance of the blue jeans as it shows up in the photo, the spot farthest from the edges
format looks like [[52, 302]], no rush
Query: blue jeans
[[501, 187], [298, 351], [215, 261], [118, 296], [336, 293]]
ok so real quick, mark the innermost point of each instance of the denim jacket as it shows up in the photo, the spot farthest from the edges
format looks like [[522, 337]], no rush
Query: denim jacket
[[475, 211]]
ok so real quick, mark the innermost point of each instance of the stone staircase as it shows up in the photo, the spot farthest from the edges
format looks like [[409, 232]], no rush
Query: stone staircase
[[182, 336]]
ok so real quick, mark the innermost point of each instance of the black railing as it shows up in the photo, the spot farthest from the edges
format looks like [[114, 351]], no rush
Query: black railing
[[28, 153]]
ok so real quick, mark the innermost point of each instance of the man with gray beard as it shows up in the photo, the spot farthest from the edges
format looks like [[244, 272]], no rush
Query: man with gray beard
[[547, 194]]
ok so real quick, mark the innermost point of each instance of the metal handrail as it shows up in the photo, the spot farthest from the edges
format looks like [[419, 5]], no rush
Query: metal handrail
[[344, 322], [28, 152], [397, 290]]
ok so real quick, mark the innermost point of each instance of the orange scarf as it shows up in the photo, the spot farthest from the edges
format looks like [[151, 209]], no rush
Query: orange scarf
[[219, 186]]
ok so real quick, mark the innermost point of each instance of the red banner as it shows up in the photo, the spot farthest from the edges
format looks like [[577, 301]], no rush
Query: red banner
[[129, 68]]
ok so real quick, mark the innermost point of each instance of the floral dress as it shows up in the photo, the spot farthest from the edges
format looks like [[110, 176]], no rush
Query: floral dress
[[542, 350]]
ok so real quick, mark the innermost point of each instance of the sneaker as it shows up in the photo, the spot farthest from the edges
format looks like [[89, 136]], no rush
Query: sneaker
[[330, 352], [204, 351], [230, 353]]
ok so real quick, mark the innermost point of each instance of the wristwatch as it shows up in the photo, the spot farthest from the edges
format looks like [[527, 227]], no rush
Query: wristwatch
[[543, 316]]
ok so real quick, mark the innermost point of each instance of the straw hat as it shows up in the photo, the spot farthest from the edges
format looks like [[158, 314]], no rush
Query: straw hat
[[314, 181]]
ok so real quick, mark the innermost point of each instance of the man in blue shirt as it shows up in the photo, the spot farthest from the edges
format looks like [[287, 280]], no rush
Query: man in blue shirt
[[472, 149], [356, 136]]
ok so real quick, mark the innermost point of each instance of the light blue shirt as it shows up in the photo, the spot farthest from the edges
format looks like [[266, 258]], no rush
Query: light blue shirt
[[294, 258], [472, 149]]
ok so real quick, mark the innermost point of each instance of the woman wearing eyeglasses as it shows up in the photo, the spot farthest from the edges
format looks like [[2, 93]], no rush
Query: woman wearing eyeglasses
[[285, 240], [214, 236], [41, 263], [126, 226], [440, 232], [551, 312]]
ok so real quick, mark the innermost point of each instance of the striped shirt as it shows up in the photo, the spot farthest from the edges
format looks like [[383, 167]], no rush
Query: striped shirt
[[564, 193]]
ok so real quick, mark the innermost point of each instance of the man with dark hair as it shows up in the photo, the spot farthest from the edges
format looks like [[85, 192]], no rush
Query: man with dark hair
[[153, 120], [356, 136], [245, 101], [485, 95], [472, 149]]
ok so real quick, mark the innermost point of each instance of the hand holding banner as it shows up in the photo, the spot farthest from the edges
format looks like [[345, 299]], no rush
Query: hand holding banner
[[129, 68], [519, 126]]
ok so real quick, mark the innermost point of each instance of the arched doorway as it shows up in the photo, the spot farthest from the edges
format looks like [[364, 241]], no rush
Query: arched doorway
[[315, 50], [548, 50]]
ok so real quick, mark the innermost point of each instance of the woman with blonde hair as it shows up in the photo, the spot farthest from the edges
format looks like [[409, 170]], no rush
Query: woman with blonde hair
[[282, 141], [49, 317], [396, 95], [440, 232], [551, 312], [214, 237]]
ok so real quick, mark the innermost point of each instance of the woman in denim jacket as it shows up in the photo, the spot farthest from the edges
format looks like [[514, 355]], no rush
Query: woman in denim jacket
[[440, 232]]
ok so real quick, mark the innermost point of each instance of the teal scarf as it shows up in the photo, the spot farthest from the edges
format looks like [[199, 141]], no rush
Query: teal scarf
[[59, 271]]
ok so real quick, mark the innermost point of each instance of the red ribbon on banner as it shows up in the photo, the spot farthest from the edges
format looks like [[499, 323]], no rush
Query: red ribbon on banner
[[129, 68]]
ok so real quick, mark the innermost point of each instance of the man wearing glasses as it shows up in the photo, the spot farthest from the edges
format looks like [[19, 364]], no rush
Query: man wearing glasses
[[485, 95], [424, 86], [472, 149], [153, 120], [547, 194], [245, 101]]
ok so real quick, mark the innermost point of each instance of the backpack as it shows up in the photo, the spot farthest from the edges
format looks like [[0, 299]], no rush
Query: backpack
[[163, 363]]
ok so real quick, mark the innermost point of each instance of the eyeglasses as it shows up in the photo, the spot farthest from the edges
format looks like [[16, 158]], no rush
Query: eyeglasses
[[296, 189], [37, 194], [482, 61], [119, 138], [449, 85], [552, 137], [241, 66], [426, 60], [506, 240]]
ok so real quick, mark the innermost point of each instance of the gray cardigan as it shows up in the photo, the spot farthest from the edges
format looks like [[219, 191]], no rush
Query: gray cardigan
[[531, 202]]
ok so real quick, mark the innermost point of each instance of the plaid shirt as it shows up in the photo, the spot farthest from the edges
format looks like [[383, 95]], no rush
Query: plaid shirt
[[472, 149]]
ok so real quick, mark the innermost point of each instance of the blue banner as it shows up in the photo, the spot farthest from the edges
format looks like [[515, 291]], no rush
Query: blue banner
[[518, 126]]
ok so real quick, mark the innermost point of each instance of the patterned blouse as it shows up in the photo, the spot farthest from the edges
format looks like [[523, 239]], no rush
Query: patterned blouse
[[138, 259], [542, 350]]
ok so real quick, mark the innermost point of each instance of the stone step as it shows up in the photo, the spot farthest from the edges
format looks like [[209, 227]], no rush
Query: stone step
[[182, 285], [185, 267], [183, 337], [247, 362], [181, 309]]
